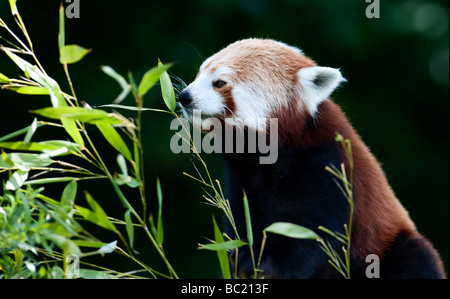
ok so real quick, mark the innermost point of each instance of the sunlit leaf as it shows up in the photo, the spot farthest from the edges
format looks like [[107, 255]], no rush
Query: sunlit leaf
[[115, 140], [108, 248], [97, 215], [31, 131], [248, 221], [62, 28], [52, 147], [92, 116], [50, 181], [159, 227], [72, 54], [291, 230], [167, 90], [224, 246], [24, 161], [150, 78], [120, 80], [222, 255], [17, 180], [129, 227], [94, 274], [133, 108], [68, 196], [32, 90], [12, 4], [3, 78]]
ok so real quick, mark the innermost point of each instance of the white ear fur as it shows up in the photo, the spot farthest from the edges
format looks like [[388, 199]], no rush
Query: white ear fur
[[317, 84]]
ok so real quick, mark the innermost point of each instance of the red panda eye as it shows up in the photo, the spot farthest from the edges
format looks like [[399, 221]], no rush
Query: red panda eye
[[219, 84]]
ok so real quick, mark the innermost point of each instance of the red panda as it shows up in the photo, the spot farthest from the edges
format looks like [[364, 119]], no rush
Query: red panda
[[263, 79]]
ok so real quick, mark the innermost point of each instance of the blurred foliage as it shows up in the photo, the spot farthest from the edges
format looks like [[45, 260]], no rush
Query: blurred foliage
[[397, 95]]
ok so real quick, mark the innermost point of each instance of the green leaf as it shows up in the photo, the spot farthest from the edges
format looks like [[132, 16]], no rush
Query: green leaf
[[89, 244], [52, 148], [115, 140], [18, 133], [68, 197], [167, 90], [92, 116], [221, 254], [129, 227], [34, 73], [150, 78], [50, 181], [97, 215], [24, 161], [229, 245], [108, 248], [159, 228], [3, 79], [71, 128], [55, 92], [120, 80], [132, 108], [291, 230], [12, 4], [94, 274], [17, 180], [72, 54], [62, 28], [248, 221], [32, 90], [31, 131]]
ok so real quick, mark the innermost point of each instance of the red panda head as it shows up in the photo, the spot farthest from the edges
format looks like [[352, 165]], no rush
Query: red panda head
[[258, 79]]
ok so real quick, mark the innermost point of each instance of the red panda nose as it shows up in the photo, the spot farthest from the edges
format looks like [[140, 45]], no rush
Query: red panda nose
[[185, 98]]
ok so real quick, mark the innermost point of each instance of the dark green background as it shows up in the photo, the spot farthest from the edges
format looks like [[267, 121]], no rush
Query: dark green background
[[396, 96]]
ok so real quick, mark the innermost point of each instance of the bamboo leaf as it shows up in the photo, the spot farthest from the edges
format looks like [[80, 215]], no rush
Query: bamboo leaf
[[291, 230], [68, 196], [52, 148], [120, 80], [221, 254], [94, 274], [3, 79], [97, 215], [229, 245], [159, 227], [71, 128], [12, 4], [132, 108], [92, 116], [24, 161], [248, 221], [17, 180], [115, 140], [32, 90], [50, 181], [108, 248], [62, 29], [167, 90], [150, 78], [72, 54], [31, 131], [129, 227]]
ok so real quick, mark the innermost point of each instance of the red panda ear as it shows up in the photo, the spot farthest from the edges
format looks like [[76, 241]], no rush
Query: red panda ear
[[317, 84]]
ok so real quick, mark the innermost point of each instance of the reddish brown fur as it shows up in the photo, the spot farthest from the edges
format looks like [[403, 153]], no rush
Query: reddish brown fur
[[227, 95], [379, 216]]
